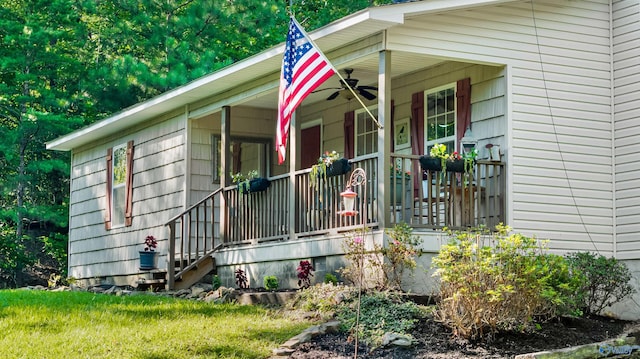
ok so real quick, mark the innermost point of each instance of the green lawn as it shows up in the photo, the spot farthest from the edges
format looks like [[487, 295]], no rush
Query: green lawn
[[41, 324]]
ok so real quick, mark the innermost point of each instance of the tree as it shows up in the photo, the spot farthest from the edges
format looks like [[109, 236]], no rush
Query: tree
[[39, 100]]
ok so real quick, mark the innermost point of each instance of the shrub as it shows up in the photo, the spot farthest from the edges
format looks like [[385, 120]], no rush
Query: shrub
[[321, 299], [241, 279], [380, 313], [216, 282], [270, 282], [606, 281], [383, 267], [499, 282], [330, 279], [400, 254], [305, 272]]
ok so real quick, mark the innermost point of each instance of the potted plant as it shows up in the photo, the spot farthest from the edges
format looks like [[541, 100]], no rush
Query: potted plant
[[329, 164], [148, 255], [455, 163], [250, 182], [399, 180]]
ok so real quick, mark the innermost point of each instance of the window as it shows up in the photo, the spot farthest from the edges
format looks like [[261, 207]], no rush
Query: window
[[246, 154], [366, 132], [440, 117], [119, 186]]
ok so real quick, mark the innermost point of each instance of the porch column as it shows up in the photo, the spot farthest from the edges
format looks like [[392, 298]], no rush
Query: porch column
[[225, 159], [384, 137], [294, 158]]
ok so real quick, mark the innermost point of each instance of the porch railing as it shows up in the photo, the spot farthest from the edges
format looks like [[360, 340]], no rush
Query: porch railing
[[457, 200], [422, 199]]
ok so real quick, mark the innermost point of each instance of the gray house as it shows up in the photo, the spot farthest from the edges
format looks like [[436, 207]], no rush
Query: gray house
[[546, 89]]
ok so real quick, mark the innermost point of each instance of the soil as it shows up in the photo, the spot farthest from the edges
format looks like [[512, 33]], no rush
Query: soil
[[434, 341]]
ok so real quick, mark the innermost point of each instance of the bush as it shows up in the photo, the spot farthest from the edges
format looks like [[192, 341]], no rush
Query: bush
[[305, 272], [270, 282], [321, 299], [499, 282], [380, 313], [606, 281], [330, 278], [216, 282], [400, 254]]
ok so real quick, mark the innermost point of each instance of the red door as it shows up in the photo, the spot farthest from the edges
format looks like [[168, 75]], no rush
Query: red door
[[310, 146]]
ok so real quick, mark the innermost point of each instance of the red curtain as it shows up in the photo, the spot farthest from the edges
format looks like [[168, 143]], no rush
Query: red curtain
[[349, 134], [417, 135], [463, 95]]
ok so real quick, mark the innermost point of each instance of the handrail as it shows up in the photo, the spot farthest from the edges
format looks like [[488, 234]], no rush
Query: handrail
[[193, 246]]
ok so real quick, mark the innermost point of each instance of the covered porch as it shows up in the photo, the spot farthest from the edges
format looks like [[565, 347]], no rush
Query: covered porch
[[291, 209]]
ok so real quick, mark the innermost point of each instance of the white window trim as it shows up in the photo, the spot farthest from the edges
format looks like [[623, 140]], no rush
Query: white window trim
[[356, 132], [118, 222], [453, 137]]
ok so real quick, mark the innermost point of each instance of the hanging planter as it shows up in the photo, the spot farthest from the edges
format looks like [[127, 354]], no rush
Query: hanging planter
[[456, 165], [429, 163], [329, 164], [338, 167]]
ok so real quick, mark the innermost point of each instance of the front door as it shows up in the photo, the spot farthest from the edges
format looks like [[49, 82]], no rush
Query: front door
[[310, 146]]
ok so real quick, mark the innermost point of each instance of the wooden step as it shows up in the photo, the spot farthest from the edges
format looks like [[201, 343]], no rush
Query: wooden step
[[194, 272]]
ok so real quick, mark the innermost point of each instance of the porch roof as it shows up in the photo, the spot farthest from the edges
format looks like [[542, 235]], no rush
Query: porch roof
[[266, 64]]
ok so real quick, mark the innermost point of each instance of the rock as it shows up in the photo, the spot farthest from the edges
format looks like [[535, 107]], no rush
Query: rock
[[195, 291], [206, 287], [396, 339], [283, 352]]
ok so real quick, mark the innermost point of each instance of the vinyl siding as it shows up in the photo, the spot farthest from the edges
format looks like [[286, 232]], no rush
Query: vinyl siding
[[158, 182], [626, 72], [558, 66]]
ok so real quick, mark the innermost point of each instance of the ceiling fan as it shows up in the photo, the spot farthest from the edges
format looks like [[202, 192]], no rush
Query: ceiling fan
[[353, 83]]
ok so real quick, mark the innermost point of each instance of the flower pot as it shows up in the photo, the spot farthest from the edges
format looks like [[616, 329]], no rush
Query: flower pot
[[397, 194], [430, 163], [148, 260], [455, 166], [338, 167], [255, 185]]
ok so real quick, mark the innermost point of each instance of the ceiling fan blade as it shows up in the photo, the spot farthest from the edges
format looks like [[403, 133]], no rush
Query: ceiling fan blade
[[333, 95], [366, 94], [368, 88]]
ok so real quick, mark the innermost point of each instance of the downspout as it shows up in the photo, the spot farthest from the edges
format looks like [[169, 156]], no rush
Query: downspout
[[614, 215]]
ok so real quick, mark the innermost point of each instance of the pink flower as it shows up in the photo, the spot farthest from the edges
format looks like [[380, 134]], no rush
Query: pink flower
[[357, 240]]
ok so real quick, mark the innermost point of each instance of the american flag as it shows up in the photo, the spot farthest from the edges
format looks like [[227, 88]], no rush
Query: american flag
[[304, 68]]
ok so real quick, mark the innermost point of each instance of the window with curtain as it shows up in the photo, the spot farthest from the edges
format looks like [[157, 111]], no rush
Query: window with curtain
[[440, 117], [366, 132]]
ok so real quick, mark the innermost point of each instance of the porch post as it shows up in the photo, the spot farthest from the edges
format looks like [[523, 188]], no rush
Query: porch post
[[225, 159], [294, 158], [384, 138]]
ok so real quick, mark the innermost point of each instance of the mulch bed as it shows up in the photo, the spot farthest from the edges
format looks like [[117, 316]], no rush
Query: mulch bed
[[436, 341]]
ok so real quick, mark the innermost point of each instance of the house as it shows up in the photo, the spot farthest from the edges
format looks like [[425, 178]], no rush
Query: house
[[552, 85]]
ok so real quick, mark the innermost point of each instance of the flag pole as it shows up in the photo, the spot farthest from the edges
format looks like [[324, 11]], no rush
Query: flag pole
[[375, 120]]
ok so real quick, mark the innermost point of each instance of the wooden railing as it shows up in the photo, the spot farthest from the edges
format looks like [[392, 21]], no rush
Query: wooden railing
[[422, 199], [192, 236], [457, 200]]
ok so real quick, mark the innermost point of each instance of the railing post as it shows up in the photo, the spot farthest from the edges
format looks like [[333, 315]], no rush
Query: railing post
[[171, 274]]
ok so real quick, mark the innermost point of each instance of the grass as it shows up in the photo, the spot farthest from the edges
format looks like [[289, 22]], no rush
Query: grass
[[41, 324]]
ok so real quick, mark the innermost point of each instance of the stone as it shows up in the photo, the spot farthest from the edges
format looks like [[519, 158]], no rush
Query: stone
[[283, 352], [396, 339]]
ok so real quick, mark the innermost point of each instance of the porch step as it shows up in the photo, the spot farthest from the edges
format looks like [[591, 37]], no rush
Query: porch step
[[194, 272]]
